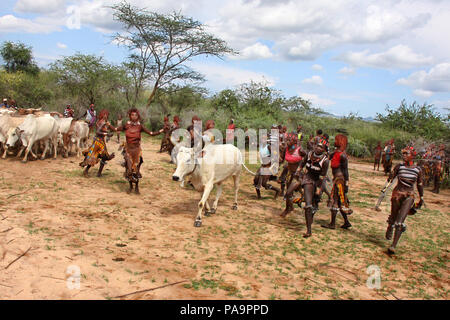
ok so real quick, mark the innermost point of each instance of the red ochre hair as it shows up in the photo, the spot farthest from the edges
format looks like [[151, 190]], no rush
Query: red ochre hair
[[195, 118], [176, 119], [209, 124], [134, 110], [341, 141], [293, 137], [104, 113], [323, 142], [411, 149]]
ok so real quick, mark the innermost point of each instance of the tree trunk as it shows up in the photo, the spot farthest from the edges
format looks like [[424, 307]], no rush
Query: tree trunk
[[152, 95]]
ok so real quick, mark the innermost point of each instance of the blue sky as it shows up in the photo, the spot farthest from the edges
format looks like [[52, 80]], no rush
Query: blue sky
[[342, 55]]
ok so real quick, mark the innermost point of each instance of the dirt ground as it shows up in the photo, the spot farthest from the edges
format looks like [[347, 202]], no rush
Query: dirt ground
[[125, 243]]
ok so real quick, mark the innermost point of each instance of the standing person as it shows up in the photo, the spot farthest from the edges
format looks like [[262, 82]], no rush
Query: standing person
[[319, 136], [165, 141], [194, 131], [299, 133], [119, 124], [339, 198], [389, 153], [98, 152], [208, 137], [13, 104], [91, 117], [316, 164], [5, 104], [132, 151], [69, 112], [264, 172], [174, 126], [437, 167], [377, 155], [293, 155], [230, 132], [402, 200], [310, 143], [209, 124]]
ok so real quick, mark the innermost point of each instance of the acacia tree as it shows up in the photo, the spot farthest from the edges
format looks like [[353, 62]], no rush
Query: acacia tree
[[162, 44], [18, 57], [88, 76]]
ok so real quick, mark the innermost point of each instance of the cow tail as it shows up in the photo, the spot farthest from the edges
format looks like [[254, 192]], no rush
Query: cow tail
[[248, 169]]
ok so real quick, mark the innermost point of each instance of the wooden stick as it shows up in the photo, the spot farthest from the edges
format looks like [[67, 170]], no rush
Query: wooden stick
[[18, 258], [140, 291], [336, 267], [343, 276], [4, 231], [17, 194], [53, 278], [4, 285], [322, 284], [382, 295], [394, 296]]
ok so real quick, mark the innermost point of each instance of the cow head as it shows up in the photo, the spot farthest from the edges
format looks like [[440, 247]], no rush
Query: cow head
[[13, 136], [185, 163]]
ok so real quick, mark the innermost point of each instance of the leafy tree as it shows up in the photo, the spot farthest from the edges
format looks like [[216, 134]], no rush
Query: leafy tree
[[26, 89], [88, 76], [178, 98], [417, 119], [226, 99], [18, 57], [135, 69], [258, 96], [164, 42]]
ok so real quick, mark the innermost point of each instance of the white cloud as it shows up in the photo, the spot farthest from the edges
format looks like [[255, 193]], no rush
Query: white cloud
[[423, 93], [426, 83], [400, 56], [316, 100], [296, 30], [61, 45], [317, 80], [254, 52], [303, 30], [317, 67], [39, 6], [220, 76], [12, 24], [347, 70]]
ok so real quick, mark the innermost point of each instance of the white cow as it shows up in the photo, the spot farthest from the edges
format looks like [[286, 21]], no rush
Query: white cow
[[178, 144], [34, 129], [64, 125], [8, 124], [79, 135], [7, 111], [218, 162]]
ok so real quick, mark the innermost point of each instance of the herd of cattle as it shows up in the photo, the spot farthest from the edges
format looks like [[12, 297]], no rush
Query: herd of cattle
[[40, 132], [35, 131]]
